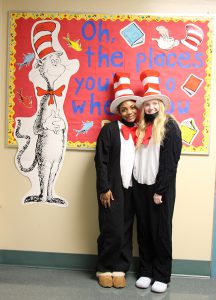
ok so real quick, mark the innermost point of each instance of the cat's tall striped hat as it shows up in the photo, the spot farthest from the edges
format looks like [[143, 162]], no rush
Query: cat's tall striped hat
[[151, 84], [194, 36], [43, 37], [122, 90]]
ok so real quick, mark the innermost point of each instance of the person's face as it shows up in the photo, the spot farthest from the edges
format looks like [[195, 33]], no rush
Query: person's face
[[128, 111], [151, 107]]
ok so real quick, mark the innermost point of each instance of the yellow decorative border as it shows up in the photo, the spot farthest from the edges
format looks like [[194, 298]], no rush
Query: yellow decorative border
[[13, 16], [81, 145]]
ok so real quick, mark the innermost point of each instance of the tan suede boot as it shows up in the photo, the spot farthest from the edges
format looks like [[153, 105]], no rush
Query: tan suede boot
[[119, 280], [105, 279]]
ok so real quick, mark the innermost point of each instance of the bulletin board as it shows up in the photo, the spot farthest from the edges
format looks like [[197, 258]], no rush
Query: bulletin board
[[179, 47]]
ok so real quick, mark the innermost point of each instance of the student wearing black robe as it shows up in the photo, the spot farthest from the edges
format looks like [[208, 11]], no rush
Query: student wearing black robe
[[154, 184], [114, 157]]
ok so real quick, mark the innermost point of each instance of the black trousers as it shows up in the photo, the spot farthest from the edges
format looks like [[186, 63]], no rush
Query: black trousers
[[154, 231], [115, 239]]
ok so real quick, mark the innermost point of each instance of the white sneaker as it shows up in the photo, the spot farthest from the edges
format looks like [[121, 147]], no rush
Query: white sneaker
[[143, 282], [159, 287]]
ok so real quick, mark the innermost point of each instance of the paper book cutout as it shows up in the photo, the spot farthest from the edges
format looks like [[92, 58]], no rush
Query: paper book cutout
[[189, 130], [133, 35], [191, 85]]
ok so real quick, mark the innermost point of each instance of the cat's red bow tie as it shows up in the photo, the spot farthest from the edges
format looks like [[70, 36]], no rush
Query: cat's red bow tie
[[147, 136], [58, 92], [126, 131]]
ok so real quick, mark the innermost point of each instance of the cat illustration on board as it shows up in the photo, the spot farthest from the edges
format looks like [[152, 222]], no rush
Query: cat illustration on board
[[42, 138]]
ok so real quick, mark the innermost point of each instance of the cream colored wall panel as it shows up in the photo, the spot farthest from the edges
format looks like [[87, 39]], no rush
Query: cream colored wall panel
[[126, 6]]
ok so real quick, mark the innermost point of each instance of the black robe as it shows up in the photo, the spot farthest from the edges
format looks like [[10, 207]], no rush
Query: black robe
[[154, 222], [107, 160], [116, 222]]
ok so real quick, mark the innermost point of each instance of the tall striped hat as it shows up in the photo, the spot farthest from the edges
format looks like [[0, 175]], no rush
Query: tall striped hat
[[194, 36], [151, 84], [122, 90], [42, 38]]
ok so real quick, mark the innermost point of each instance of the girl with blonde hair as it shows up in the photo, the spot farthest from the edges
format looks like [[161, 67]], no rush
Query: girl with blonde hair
[[158, 151], [158, 129]]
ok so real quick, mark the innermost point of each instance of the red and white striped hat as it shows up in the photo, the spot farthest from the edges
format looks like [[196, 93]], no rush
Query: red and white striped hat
[[42, 38], [122, 90], [194, 36], [150, 81]]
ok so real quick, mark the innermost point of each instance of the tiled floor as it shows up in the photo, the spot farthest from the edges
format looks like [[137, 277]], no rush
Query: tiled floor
[[20, 283]]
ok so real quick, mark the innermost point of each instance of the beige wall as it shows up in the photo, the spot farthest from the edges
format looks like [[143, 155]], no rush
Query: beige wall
[[74, 229]]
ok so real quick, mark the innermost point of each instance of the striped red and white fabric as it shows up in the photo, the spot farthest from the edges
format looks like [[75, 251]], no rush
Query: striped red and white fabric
[[150, 80], [121, 83], [151, 83], [42, 38], [122, 90], [194, 36]]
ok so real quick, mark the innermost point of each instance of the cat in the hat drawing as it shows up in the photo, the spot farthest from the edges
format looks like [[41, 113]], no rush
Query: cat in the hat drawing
[[42, 138]]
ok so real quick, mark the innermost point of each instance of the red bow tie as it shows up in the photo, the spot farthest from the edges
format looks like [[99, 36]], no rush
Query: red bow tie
[[58, 92], [126, 131], [147, 136]]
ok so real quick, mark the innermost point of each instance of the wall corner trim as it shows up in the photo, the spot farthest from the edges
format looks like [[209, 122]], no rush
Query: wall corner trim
[[88, 262]]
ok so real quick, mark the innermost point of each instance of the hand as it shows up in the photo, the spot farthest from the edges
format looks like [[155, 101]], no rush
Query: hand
[[157, 199], [54, 122], [58, 122], [106, 198]]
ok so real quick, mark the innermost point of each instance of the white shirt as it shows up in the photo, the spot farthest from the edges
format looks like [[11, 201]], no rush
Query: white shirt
[[127, 154], [146, 163]]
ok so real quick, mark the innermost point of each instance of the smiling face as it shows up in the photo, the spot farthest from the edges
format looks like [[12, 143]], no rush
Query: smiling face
[[51, 67], [151, 106], [128, 110]]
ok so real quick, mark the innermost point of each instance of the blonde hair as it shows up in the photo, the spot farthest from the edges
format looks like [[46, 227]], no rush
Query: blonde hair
[[158, 129]]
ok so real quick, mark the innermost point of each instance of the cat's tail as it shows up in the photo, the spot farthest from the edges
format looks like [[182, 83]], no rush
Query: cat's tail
[[20, 152]]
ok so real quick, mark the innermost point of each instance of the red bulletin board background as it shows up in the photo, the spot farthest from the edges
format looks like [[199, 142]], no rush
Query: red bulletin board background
[[104, 52]]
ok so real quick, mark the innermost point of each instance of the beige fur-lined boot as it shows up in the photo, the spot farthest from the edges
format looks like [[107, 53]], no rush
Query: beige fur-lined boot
[[105, 279], [119, 280]]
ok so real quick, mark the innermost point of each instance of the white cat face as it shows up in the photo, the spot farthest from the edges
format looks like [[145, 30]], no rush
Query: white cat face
[[52, 66]]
